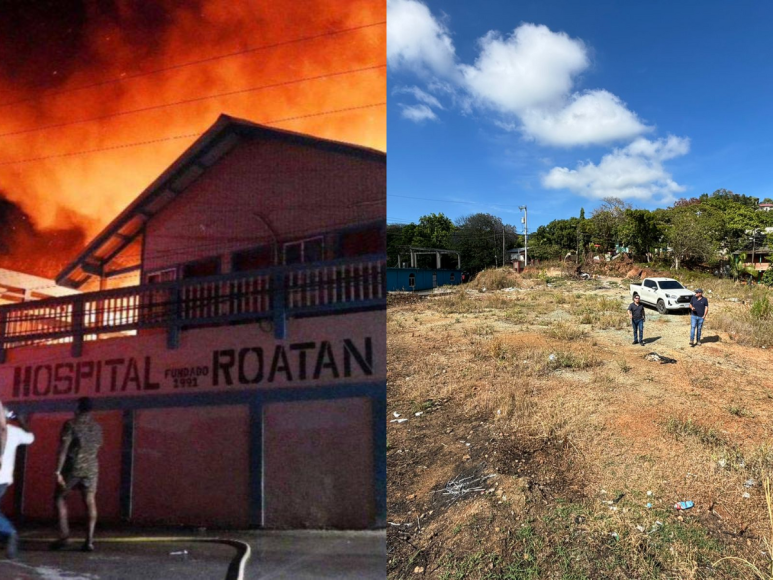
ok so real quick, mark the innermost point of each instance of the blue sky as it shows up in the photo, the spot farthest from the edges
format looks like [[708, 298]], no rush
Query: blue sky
[[555, 105]]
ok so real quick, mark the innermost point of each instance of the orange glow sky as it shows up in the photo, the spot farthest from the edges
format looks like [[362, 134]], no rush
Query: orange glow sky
[[93, 42]]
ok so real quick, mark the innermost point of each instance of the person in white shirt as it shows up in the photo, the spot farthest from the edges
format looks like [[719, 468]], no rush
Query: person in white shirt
[[16, 436]]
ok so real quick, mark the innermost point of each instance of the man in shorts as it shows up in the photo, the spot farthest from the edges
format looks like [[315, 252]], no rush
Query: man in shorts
[[77, 467]]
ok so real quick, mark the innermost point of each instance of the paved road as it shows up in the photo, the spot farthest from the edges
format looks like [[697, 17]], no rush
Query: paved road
[[275, 555]]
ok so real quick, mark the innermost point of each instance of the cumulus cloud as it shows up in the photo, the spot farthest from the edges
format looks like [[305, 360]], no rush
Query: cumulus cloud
[[591, 117], [416, 40], [532, 67], [633, 172], [418, 113]]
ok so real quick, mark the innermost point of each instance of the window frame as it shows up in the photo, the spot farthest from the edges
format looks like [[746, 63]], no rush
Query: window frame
[[302, 242]]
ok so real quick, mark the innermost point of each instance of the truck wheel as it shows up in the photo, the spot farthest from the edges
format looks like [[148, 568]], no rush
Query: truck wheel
[[662, 307]]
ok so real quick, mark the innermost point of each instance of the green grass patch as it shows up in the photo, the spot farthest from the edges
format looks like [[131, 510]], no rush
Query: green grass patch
[[689, 428]]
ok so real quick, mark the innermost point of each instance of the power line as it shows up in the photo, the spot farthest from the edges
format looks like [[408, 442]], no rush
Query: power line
[[191, 100], [185, 136], [451, 201], [177, 66]]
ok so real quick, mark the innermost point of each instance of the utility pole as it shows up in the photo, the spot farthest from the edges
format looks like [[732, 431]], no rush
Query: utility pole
[[525, 222], [503, 247]]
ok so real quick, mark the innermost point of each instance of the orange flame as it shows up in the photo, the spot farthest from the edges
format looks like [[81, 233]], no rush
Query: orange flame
[[93, 188]]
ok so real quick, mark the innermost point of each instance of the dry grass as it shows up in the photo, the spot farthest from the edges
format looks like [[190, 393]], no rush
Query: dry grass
[[496, 279], [566, 331], [506, 385], [749, 324]]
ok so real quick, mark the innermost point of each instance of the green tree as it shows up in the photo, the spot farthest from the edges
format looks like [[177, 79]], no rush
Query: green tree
[[693, 235], [639, 231], [606, 221], [738, 267], [478, 238], [433, 231]]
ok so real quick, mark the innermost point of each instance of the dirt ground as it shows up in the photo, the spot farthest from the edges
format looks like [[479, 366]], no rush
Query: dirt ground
[[540, 443]]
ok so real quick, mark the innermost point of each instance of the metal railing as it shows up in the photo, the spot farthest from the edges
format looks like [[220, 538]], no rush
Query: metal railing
[[273, 294]]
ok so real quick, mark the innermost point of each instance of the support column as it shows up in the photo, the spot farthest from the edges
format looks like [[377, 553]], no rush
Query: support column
[[256, 464], [378, 414], [127, 465]]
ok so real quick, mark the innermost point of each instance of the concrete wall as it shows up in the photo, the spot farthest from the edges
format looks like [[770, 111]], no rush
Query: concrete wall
[[196, 434]]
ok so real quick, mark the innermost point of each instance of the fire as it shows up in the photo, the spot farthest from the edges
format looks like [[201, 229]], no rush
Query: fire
[[89, 190]]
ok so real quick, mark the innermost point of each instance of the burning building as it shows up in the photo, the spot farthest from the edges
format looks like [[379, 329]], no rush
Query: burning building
[[229, 324]]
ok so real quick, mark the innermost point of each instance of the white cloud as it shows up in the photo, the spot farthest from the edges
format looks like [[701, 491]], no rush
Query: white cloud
[[418, 113], [592, 117], [418, 41], [532, 67], [633, 172], [419, 95], [527, 78]]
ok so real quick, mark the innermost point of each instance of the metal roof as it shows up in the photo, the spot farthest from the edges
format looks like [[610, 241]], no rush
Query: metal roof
[[207, 150], [18, 286]]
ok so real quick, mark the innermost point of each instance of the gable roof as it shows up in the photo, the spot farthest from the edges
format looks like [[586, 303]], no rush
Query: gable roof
[[205, 152]]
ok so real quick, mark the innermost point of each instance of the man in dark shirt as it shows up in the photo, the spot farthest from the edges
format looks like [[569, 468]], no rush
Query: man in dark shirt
[[699, 305], [636, 314], [77, 466]]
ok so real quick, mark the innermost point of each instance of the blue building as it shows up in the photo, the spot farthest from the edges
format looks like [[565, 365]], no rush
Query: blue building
[[413, 279]]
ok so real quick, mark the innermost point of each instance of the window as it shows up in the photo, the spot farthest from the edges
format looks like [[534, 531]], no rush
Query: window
[[201, 268], [412, 280], [155, 304], [452, 277], [361, 242], [252, 259], [304, 251], [671, 285], [162, 276]]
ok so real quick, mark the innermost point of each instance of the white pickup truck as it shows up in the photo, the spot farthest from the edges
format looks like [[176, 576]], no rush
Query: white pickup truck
[[664, 293]]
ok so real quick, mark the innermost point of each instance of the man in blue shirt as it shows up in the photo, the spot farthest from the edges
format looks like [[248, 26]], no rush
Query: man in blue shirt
[[700, 309]]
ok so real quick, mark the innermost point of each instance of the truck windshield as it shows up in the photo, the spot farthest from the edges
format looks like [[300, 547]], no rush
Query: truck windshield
[[670, 285]]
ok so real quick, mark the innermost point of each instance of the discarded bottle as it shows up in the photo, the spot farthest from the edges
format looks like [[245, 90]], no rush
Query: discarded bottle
[[180, 553], [683, 505]]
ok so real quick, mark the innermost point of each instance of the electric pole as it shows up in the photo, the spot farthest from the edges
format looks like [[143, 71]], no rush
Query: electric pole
[[525, 222], [503, 247]]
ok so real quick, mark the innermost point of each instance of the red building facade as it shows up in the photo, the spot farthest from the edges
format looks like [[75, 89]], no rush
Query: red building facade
[[231, 330]]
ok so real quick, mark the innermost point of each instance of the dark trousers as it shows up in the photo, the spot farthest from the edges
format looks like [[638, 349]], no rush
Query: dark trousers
[[638, 326]]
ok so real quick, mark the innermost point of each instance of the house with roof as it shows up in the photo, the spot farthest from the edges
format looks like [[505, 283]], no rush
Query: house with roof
[[229, 325]]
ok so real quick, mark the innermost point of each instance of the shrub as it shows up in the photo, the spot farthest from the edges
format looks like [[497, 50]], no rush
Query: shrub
[[761, 309], [496, 279]]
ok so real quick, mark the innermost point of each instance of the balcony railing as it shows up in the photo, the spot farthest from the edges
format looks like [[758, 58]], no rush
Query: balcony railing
[[274, 294]]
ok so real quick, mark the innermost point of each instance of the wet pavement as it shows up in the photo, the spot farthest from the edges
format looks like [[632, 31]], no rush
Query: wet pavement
[[143, 556]]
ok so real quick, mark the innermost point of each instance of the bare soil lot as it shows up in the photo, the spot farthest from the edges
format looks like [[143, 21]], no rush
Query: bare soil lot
[[537, 435]]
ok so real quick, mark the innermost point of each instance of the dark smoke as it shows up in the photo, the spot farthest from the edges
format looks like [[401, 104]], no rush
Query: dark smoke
[[43, 42], [25, 248]]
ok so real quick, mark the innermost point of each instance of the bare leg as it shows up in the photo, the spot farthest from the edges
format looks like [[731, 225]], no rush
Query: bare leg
[[61, 508], [90, 497]]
